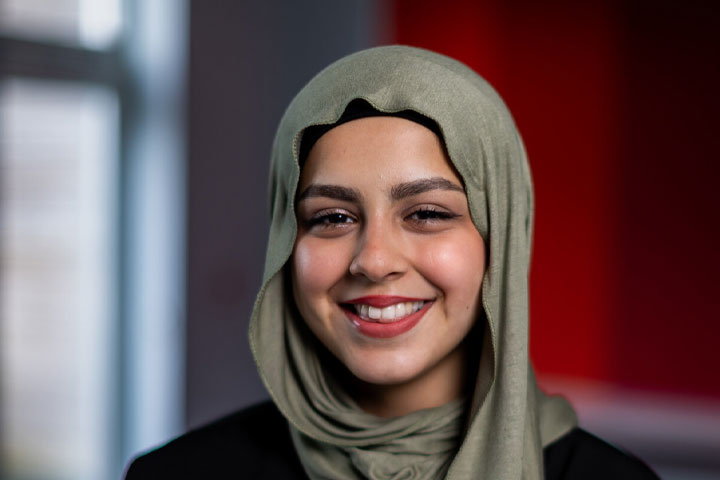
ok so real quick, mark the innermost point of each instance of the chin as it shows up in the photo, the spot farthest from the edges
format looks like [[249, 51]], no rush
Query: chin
[[384, 368]]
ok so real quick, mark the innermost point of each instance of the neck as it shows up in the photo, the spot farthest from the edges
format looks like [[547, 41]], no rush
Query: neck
[[446, 381]]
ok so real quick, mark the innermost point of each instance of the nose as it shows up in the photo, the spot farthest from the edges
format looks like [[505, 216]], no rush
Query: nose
[[378, 256]]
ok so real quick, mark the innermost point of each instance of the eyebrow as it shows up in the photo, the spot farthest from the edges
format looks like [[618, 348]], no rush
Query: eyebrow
[[397, 192], [416, 187], [331, 191]]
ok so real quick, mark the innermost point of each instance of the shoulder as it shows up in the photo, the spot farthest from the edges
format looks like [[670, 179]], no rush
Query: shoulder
[[253, 443], [581, 455]]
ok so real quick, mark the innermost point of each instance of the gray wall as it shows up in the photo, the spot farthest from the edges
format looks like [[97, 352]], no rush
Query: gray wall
[[247, 61]]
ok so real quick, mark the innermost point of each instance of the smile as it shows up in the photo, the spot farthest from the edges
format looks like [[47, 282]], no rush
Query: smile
[[385, 316]]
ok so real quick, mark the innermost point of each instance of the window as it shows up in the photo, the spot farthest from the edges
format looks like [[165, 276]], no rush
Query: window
[[58, 158], [89, 23], [91, 222]]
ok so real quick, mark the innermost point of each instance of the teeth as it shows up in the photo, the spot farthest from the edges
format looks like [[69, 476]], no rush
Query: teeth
[[390, 313]]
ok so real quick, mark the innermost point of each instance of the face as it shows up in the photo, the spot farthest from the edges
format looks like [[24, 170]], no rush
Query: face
[[387, 265]]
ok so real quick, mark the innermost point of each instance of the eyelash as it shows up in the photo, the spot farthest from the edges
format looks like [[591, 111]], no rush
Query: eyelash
[[334, 219], [325, 219], [431, 214]]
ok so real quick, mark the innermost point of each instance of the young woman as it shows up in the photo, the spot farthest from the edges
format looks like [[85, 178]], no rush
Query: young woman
[[391, 329]]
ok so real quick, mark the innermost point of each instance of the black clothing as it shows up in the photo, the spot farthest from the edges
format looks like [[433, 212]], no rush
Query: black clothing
[[255, 443]]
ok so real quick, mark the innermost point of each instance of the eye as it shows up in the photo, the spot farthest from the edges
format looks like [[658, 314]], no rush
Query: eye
[[428, 214], [329, 219]]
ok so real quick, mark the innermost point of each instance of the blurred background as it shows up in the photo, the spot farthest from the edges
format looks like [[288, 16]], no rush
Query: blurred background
[[134, 145]]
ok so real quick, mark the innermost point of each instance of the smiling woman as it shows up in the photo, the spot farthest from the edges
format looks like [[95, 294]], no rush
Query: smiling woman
[[388, 264], [391, 330]]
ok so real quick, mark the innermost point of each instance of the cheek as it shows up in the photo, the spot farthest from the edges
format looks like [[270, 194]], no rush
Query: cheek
[[317, 266], [456, 266]]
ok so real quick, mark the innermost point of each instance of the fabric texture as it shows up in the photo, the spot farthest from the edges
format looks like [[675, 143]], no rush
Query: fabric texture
[[500, 432]]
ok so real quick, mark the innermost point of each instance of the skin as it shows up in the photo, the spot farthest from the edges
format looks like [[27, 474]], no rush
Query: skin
[[383, 239]]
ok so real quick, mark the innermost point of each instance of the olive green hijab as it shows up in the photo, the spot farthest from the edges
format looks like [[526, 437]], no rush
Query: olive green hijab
[[497, 434]]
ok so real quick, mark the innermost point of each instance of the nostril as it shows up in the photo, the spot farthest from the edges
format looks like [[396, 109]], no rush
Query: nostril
[[371, 267], [377, 257]]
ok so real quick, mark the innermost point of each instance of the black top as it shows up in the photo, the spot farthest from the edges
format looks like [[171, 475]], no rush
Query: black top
[[255, 443]]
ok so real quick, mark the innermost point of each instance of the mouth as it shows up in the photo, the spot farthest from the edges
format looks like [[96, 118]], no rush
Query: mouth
[[388, 314], [385, 316]]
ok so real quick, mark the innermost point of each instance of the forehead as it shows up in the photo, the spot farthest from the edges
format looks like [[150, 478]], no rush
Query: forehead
[[380, 150]]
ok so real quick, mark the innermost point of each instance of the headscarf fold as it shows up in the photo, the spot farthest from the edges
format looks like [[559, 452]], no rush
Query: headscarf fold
[[497, 434]]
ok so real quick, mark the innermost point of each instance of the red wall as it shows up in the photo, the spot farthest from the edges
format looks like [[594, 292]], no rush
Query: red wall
[[618, 104]]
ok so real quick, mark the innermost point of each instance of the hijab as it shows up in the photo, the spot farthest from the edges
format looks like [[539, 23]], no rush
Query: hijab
[[499, 433]]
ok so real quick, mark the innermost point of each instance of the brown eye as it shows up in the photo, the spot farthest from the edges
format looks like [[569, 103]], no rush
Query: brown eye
[[427, 214], [329, 219]]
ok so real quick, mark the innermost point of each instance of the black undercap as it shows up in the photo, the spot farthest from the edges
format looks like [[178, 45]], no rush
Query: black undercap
[[356, 109]]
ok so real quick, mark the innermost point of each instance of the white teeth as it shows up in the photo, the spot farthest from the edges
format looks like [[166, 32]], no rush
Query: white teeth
[[390, 313]]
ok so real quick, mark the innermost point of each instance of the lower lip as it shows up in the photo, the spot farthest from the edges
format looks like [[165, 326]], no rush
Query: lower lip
[[387, 330]]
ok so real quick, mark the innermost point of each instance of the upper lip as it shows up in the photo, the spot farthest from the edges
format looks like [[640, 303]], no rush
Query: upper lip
[[382, 301]]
